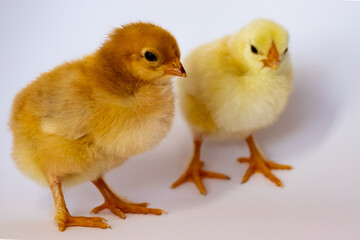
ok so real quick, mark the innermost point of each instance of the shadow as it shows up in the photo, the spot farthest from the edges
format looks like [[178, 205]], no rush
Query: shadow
[[307, 119]]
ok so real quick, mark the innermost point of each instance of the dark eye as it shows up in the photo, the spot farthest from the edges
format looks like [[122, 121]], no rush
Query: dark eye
[[286, 50], [150, 56], [254, 50]]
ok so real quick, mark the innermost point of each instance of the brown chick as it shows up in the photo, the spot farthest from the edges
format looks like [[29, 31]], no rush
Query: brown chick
[[85, 117]]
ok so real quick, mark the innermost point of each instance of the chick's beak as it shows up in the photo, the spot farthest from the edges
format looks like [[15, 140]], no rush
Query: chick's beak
[[272, 58], [176, 69]]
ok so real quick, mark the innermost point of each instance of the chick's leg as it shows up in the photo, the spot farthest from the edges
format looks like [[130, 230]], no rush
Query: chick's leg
[[195, 173], [63, 217], [257, 163], [120, 207]]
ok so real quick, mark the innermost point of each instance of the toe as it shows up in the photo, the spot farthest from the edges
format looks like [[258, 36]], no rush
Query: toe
[[144, 204], [250, 171], [268, 174], [61, 227], [117, 211], [244, 160], [141, 210], [180, 181], [199, 183], [99, 208], [273, 165], [95, 222], [208, 174]]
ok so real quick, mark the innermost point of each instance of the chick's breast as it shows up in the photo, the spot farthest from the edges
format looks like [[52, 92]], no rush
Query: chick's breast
[[125, 127]]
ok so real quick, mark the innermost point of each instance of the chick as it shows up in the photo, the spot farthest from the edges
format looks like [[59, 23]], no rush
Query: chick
[[236, 86], [85, 117]]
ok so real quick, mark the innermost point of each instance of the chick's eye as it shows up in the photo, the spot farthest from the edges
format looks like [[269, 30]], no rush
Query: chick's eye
[[254, 50], [286, 50], [150, 56]]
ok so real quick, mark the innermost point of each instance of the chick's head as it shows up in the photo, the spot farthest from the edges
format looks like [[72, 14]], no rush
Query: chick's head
[[262, 44], [143, 51]]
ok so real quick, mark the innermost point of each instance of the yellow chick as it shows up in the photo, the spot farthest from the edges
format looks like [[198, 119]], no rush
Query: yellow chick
[[85, 117], [236, 85]]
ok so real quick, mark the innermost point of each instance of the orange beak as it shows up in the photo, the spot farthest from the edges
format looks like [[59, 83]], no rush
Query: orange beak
[[177, 69], [272, 58]]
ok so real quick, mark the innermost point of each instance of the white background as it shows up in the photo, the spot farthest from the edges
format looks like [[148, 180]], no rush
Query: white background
[[318, 133]]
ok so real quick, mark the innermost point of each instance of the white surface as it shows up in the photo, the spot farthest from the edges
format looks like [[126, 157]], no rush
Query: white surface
[[318, 134]]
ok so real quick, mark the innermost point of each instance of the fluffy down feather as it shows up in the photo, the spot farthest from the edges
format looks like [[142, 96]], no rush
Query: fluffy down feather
[[228, 93], [236, 85], [88, 116]]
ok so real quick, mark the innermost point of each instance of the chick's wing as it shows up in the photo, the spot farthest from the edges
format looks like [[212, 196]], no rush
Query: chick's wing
[[71, 121], [66, 109]]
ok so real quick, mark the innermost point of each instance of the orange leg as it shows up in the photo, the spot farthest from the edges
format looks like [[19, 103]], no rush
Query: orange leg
[[194, 172], [257, 163], [63, 217], [120, 207]]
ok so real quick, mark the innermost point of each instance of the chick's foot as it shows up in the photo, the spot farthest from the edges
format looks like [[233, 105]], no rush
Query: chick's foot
[[257, 163], [63, 217], [195, 173], [120, 207], [65, 220]]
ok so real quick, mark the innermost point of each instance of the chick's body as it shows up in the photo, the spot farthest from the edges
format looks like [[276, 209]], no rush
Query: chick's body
[[85, 117], [236, 102], [230, 92], [66, 123]]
